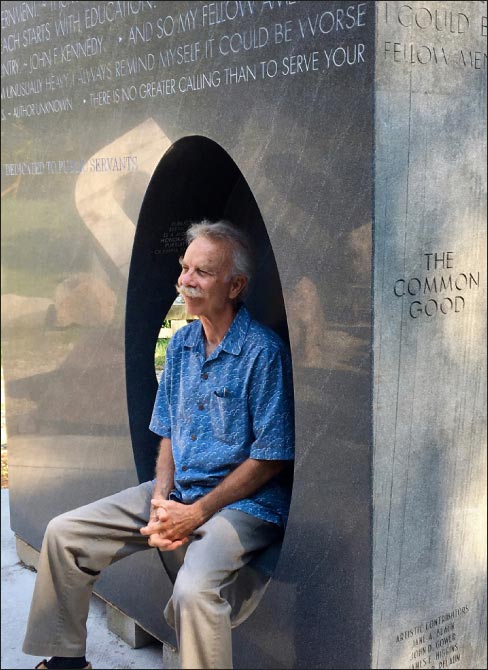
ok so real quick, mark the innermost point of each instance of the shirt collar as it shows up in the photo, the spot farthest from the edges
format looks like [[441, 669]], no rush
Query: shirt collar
[[234, 338]]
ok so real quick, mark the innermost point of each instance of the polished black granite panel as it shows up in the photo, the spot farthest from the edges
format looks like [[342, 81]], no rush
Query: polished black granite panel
[[305, 123]]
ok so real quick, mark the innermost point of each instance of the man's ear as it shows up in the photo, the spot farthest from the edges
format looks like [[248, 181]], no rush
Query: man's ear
[[238, 284]]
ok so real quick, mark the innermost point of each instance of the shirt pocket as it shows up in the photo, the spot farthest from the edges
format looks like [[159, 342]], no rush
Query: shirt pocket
[[228, 416]]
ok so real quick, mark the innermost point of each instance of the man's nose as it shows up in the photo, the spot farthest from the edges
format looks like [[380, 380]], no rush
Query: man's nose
[[185, 278]]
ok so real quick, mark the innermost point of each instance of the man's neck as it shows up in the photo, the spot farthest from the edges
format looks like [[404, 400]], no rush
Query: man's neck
[[215, 329]]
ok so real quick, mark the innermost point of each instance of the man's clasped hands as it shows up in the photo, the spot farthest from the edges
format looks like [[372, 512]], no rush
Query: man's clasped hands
[[170, 524]]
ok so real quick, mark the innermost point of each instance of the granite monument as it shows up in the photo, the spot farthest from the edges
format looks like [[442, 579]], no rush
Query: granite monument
[[349, 139]]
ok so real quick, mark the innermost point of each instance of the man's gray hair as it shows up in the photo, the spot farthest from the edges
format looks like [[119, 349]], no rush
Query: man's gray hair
[[228, 232]]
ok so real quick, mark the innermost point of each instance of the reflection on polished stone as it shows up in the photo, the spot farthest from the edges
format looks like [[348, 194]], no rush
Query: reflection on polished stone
[[84, 300], [323, 344], [100, 197]]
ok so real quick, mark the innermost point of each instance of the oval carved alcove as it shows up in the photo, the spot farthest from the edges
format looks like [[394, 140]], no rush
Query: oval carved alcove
[[195, 179]]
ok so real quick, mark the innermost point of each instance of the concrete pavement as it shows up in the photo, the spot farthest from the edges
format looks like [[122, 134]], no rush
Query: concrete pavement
[[105, 650]]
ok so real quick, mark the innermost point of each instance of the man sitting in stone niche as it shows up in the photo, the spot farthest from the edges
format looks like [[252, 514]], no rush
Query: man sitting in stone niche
[[225, 417]]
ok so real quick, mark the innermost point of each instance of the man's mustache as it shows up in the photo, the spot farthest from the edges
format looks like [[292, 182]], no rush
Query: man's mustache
[[189, 291]]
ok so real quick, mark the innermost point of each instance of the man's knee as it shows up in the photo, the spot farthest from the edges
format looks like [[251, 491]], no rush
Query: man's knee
[[188, 589], [60, 528]]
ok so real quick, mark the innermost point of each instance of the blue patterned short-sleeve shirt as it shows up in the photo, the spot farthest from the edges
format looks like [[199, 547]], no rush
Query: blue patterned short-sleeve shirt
[[234, 405]]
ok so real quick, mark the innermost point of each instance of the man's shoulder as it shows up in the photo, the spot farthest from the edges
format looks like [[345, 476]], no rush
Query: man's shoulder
[[185, 335], [263, 337]]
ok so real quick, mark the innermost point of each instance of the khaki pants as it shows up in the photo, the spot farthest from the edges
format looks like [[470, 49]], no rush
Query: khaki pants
[[206, 600]]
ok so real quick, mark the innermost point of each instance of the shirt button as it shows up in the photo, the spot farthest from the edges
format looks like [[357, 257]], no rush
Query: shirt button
[[193, 438], [184, 468], [205, 375], [200, 406]]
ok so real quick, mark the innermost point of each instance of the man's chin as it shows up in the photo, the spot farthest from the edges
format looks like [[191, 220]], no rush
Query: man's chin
[[191, 305]]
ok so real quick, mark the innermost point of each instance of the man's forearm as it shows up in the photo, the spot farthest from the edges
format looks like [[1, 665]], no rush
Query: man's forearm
[[242, 482], [174, 522], [165, 469]]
